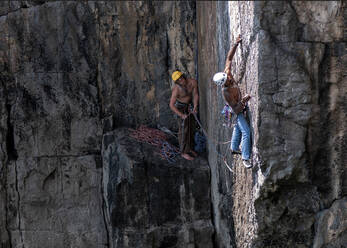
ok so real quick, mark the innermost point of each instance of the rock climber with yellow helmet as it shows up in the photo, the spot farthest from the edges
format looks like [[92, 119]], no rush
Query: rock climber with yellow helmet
[[185, 93]]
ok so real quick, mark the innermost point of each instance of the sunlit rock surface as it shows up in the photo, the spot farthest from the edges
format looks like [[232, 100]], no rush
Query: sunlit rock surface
[[291, 61]]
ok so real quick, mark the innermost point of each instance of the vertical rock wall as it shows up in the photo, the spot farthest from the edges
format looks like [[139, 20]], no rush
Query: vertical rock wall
[[221, 28], [208, 64], [71, 71], [141, 44], [151, 202], [301, 131], [291, 61]]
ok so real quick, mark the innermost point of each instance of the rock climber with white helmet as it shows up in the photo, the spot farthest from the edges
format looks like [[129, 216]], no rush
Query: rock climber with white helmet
[[236, 103], [185, 93]]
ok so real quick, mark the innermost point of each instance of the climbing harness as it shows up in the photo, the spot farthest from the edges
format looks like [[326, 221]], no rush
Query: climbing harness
[[228, 114], [156, 138]]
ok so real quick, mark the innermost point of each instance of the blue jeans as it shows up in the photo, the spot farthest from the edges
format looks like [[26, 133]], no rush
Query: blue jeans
[[241, 128]]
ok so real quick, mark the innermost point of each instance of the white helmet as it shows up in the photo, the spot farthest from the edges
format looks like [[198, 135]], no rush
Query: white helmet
[[220, 78]]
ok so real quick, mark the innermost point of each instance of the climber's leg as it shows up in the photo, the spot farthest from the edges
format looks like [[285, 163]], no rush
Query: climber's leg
[[236, 138], [246, 137]]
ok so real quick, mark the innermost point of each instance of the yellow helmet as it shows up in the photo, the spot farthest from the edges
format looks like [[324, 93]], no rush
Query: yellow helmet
[[176, 75]]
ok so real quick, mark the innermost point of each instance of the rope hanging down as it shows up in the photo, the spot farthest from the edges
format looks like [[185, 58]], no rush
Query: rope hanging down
[[156, 138], [215, 142]]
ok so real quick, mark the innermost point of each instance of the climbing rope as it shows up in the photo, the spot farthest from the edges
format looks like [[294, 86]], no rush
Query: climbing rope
[[215, 143], [158, 139], [151, 136], [169, 152], [204, 131]]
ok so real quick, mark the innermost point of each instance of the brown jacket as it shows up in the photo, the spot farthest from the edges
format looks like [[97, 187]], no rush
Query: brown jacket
[[232, 93], [232, 96]]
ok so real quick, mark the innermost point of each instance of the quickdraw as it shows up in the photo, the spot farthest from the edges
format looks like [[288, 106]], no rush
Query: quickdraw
[[228, 115]]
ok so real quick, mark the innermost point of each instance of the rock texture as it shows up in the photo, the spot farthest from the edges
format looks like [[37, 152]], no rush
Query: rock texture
[[213, 41], [291, 61], [141, 44], [331, 225], [71, 71], [151, 202]]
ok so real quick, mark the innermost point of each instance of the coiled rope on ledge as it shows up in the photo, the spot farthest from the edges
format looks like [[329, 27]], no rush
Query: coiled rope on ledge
[[168, 151], [156, 138]]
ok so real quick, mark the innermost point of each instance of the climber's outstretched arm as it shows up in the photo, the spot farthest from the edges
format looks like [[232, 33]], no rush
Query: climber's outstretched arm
[[231, 54]]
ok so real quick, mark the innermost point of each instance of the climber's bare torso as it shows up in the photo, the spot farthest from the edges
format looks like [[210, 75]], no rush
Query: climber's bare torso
[[183, 92], [231, 91]]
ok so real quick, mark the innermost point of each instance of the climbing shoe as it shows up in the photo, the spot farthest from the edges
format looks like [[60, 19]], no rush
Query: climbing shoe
[[247, 163], [236, 152]]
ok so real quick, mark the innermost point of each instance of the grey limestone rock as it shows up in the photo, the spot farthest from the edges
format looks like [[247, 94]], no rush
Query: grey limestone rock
[[151, 202], [291, 62], [331, 226], [73, 72], [69, 72]]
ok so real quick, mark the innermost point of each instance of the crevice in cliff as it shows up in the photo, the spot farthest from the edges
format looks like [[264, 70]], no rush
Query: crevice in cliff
[[10, 144], [148, 198], [11, 151], [7, 228], [321, 172], [104, 209], [310, 137], [167, 55], [24, 6], [105, 223], [18, 206], [299, 30], [15, 10], [214, 235], [331, 204], [97, 71], [99, 95], [89, 153]]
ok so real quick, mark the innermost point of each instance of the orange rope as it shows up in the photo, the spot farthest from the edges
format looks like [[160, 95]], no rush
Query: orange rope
[[156, 138]]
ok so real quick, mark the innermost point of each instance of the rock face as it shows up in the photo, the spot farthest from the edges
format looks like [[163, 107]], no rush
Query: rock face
[[70, 72], [291, 61], [141, 44], [151, 202]]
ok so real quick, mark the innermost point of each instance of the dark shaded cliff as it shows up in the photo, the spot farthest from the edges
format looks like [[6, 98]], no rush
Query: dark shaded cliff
[[150, 202], [70, 72]]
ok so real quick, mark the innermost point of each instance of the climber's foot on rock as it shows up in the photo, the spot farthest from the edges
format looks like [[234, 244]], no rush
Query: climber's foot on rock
[[187, 156], [247, 163], [194, 153], [235, 151]]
